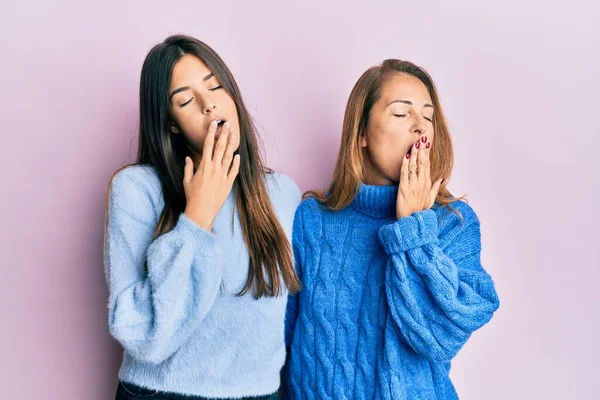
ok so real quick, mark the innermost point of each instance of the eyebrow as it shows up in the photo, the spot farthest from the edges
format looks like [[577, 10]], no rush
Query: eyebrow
[[407, 102], [184, 88]]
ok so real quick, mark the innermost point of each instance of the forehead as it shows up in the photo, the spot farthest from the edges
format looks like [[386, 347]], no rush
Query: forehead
[[405, 87], [187, 70]]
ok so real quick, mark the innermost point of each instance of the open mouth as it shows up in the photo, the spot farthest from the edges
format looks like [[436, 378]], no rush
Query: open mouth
[[220, 124]]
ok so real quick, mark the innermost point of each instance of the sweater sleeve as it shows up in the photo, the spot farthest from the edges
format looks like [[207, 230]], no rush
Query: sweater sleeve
[[159, 290], [437, 296]]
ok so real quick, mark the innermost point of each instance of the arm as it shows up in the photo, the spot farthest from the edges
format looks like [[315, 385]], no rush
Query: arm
[[159, 290], [292, 310], [293, 303], [438, 294]]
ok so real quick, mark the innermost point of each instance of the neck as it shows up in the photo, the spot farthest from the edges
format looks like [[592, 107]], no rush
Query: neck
[[378, 201]]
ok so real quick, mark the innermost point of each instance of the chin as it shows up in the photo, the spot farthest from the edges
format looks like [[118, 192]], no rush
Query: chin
[[394, 175], [395, 180], [391, 178]]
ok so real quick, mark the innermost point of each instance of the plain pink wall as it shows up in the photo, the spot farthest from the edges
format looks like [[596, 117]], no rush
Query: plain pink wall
[[519, 84]]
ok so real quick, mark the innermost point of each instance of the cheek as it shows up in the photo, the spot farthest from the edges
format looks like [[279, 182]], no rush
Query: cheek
[[230, 103], [388, 139], [430, 134], [232, 110], [431, 138], [386, 147], [193, 127]]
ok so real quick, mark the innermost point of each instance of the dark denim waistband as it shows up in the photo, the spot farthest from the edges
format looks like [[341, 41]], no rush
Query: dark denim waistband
[[129, 391]]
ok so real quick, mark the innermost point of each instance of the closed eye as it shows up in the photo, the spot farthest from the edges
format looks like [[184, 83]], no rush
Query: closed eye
[[404, 115], [186, 103], [216, 88]]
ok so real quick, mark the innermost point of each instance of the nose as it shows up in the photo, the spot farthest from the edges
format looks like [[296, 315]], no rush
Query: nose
[[207, 103], [419, 127], [208, 106]]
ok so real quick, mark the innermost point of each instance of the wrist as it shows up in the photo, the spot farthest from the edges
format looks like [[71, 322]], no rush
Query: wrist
[[200, 219], [404, 213]]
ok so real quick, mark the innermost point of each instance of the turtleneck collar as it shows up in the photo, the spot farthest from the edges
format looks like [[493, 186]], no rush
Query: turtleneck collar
[[376, 201]]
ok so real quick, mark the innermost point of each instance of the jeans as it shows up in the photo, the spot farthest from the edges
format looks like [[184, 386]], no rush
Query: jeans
[[128, 391]]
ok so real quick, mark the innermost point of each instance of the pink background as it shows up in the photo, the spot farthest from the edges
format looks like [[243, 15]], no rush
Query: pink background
[[519, 83]]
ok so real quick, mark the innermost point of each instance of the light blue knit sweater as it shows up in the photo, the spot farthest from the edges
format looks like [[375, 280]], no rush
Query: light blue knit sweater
[[181, 325], [386, 303]]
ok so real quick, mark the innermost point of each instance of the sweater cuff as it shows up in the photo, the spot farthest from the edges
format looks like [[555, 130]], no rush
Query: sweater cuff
[[201, 237], [407, 233]]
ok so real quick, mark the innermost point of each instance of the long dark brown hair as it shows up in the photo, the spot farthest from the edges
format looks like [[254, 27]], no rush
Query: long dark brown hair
[[348, 172], [268, 247]]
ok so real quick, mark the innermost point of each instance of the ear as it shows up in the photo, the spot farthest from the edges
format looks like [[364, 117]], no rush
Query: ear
[[174, 129], [363, 139]]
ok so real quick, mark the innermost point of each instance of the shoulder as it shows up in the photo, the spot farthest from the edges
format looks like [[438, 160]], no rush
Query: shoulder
[[311, 207], [455, 218], [281, 186], [467, 214], [309, 212], [133, 184]]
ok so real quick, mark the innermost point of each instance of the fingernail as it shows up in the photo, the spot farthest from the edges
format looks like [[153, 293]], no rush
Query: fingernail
[[424, 139], [418, 145], [227, 124], [407, 155], [428, 145]]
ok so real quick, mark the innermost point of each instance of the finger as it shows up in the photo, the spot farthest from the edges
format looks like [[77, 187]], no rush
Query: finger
[[433, 193], [188, 170], [426, 165], [235, 168], [228, 156], [421, 172], [404, 172], [412, 164], [209, 142], [221, 144]]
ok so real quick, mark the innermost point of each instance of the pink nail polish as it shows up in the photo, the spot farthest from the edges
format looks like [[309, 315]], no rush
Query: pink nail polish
[[407, 155], [424, 139], [418, 145], [428, 145]]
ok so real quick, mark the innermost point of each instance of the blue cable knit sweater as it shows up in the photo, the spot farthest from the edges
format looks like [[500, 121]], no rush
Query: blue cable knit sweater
[[386, 303], [181, 324]]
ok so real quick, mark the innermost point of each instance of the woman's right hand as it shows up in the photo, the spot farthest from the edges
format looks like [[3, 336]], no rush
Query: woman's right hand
[[207, 189]]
